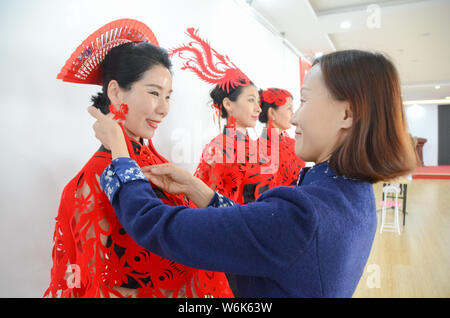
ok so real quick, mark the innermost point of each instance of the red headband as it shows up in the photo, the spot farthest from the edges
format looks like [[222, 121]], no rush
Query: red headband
[[276, 96], [222, 73], [83, 65]]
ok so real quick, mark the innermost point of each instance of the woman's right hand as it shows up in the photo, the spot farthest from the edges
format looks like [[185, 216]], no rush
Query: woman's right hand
[[108, 131], [175, 180], [170, 178]]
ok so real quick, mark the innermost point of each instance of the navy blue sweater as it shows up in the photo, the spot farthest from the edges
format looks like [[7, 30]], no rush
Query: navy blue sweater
[[312, 240]]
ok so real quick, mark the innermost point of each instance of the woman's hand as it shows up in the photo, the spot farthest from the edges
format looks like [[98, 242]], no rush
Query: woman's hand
[[175, 180], [170, 178], [108, 131]]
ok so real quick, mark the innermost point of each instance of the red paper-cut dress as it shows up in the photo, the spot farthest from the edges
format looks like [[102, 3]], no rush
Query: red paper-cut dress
[[230, 165], [94, 257], [287, 167]]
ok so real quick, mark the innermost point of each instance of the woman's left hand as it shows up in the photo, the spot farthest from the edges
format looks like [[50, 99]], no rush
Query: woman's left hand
[[108, 131]]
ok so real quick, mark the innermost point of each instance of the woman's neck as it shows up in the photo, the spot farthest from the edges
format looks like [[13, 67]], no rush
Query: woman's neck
[[241, 129], [131, 135], [327, 153]]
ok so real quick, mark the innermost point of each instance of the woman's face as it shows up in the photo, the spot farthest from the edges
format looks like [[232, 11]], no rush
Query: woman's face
[[246, 108], [321, 121], [281, 115], [148, 102]]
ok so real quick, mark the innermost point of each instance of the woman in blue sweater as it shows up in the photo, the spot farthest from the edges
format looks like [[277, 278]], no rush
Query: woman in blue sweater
[[312, 240]]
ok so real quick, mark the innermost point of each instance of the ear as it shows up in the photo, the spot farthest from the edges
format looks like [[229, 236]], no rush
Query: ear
[[114, 94], [347, 118], [227, 105], [271, 113]]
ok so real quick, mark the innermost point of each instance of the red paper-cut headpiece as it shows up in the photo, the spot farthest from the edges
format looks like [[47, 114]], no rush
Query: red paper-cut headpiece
[[209, 65], [83, 65], [275, 96]]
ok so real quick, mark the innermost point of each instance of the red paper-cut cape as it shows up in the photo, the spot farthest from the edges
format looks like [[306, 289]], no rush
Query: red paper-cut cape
[[244, 175], [93, 256], [231, 165], [288, 165]]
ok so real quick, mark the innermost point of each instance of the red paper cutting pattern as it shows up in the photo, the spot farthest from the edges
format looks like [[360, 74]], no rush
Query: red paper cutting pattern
[[119, 113], [208, 64], [275, 96], [89, 237], [231, 165], [83, 66], [242, 169], [287, 167]]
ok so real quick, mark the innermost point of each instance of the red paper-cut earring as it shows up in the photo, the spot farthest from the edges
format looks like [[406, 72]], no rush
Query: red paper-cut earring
[[231, 122], [270, 128], [217, 113], [119, 113]]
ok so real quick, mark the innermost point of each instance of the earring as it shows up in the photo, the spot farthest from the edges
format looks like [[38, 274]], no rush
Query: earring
[[119, 113], [231, 122], [217, 113]]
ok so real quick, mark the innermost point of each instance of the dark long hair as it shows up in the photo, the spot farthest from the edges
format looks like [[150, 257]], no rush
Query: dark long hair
[[126, 64], [378, 146]]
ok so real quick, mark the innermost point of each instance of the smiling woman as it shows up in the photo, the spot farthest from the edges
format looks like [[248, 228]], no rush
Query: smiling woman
[[362, 91], [137, 84], [312, 240], [230, 163], [145, 84]]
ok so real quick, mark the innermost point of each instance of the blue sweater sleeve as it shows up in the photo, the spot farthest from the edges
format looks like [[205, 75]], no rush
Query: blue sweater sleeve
[[259, 239]]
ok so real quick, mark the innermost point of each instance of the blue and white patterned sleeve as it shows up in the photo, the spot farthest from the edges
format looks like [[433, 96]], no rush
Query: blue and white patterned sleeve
[[220, 201], [123, 170], [174, 232], [120, 171]]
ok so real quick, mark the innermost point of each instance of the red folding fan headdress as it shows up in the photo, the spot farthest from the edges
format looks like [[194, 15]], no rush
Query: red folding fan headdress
[[83, 65], [209, 65]]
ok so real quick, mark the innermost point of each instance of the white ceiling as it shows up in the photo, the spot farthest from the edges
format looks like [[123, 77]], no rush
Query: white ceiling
[[414, 33]]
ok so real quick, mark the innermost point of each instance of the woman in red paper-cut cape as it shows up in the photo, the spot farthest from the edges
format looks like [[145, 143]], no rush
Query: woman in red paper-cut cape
[[230, 163], [92, 255], [276, 113]]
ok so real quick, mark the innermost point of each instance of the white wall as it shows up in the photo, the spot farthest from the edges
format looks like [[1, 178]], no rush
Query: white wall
[[423, 122], [46, 133]]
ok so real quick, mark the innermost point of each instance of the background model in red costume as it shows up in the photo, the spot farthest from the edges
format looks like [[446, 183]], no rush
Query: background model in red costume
[[276, 113], [230, 162], [93, 256]]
